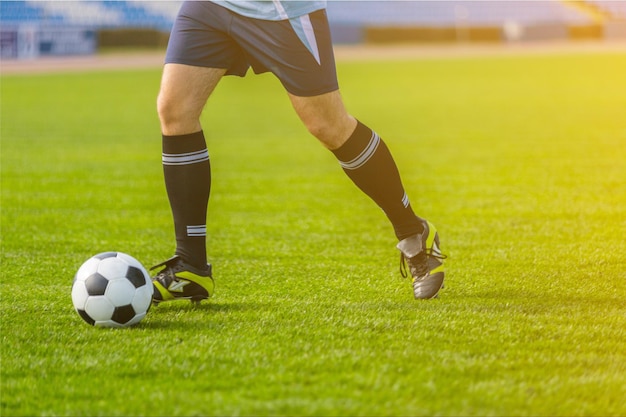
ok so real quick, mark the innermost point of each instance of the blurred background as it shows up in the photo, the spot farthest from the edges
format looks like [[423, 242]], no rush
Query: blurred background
[[32, 29]]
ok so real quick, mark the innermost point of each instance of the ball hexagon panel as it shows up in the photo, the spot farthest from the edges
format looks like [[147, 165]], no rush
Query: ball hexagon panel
[[108, 323], [99, 308], [120, 292], [79, 294], [86, 269], [105, 255], [112, 268], [129, 260], [143, 298]]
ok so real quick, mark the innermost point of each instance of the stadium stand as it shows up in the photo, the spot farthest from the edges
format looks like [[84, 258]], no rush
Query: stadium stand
[[351, 21], [39, 27], [450, 13], [93, 14], [160, 14], [19, 12], [441, 20], [108, 14]]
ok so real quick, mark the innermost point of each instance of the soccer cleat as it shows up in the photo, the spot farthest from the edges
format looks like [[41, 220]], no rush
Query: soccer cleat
[[424, 259], [178, 280]]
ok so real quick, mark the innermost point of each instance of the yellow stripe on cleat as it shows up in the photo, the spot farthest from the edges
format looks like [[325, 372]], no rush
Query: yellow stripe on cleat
[[165, 294]]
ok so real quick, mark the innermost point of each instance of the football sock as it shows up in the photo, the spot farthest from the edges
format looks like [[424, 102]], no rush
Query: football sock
[[187, 172], [366, 159]]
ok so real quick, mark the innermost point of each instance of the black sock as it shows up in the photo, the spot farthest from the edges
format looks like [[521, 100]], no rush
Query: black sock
[[187, 172], [367, 161]]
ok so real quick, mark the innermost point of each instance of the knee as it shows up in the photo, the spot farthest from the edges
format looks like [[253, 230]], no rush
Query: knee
[[332, 133], [167, 109], [321, 129], [176, 116]]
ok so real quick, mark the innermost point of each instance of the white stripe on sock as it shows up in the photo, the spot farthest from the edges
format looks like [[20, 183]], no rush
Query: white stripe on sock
[[405, 200], [365, 156], [185, 158], [199, 230]]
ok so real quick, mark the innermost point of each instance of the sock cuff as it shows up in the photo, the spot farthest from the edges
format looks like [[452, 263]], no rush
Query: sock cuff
[[359, 147], [184, 143]]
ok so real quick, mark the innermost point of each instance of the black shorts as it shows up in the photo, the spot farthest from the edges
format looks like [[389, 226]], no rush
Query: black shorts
[[298, 51]]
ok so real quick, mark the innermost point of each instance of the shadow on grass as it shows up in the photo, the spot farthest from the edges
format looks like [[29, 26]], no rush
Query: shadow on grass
[[181, 314], [208, 306], [564, 300]]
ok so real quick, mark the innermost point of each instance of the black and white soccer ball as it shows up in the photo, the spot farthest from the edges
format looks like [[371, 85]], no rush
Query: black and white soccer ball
[[112, 289]]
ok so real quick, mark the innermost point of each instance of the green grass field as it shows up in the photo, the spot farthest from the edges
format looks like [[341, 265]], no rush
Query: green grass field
[[520, 161]]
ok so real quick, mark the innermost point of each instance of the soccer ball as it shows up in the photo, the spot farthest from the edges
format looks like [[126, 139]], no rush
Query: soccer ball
[[112, 289]]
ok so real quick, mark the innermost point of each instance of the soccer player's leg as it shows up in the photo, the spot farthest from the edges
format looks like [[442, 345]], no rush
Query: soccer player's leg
[[187, 172], [200, 51], [367, 161], [305, 65]]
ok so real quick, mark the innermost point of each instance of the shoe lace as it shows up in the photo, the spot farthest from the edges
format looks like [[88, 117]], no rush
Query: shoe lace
[[418, 265], [168, 273]]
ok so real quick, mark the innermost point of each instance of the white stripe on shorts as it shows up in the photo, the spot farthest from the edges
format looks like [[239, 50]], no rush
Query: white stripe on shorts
[[309, 35]]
